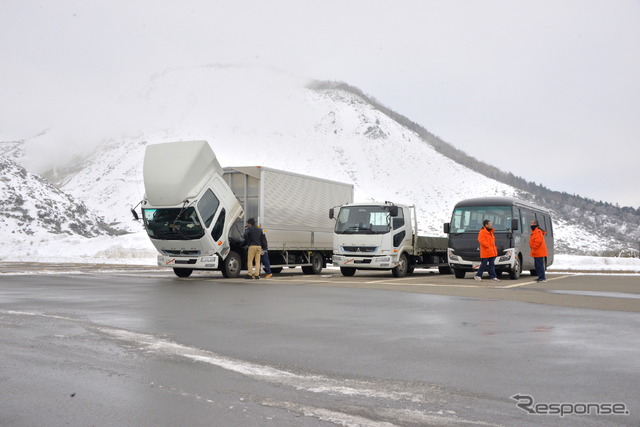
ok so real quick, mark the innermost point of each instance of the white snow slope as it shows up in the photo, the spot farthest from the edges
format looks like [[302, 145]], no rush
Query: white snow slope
[[258, 117]]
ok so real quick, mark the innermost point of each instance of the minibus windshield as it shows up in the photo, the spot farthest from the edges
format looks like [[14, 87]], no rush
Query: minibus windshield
[[468, 219]]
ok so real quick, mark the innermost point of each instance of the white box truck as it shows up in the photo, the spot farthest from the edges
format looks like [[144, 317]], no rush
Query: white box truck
[[193, 211], [383, 236]]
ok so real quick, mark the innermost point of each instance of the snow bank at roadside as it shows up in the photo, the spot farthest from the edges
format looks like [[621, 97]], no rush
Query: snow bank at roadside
[[595, 264], [129, 249]]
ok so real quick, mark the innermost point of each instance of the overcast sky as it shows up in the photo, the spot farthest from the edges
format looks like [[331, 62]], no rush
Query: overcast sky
[[546, 89]]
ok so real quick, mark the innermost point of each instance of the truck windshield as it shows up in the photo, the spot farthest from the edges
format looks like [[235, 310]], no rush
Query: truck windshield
[[468, 219], [173, 224], [363, 220]]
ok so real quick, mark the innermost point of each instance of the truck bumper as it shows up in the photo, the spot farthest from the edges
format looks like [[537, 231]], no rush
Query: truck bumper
[[195, 263], [365, 262]]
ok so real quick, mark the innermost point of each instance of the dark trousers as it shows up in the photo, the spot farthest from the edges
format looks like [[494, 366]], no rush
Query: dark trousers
[[540, 268], [491, 262], [265, 261]]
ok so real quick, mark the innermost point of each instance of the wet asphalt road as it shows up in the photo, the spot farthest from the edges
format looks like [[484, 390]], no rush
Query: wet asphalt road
[[107, 346]]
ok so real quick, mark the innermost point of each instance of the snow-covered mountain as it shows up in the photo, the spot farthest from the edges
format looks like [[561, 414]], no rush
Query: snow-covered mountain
[[263, 117], [31, 205]]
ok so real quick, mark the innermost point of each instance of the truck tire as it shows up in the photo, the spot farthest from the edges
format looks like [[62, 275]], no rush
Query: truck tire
[[402, 268], [347, 271], [232, 265], [459, 273], [444, 270], [183, 272], [514, 273], [317, 262]]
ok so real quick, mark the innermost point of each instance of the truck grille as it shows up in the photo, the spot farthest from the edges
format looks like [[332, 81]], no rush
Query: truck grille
[[179, 252], [365, 249]]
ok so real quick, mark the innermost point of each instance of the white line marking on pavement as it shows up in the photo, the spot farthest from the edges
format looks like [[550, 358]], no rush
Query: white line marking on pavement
[[533, 282]]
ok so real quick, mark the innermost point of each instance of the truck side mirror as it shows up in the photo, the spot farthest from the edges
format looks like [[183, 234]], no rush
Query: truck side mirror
[[135, 214], [514, 224], [447, 227], [393, 211], [331, 213]]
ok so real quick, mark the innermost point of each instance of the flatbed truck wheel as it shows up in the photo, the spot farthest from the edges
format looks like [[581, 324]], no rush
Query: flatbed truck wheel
[[183, 272], [402, 268], [347, 271]]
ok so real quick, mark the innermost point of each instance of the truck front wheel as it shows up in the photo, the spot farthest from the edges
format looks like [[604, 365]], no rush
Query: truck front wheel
[[232, 265], [183, 272], [402, 267], [459, 273], [347, 271]]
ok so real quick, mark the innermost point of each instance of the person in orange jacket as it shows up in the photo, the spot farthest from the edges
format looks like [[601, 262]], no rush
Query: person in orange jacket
[[538, 249], [488, 251]]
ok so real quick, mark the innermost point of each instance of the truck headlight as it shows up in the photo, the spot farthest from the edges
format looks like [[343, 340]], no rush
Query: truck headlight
[[208, 259], [382, 259]]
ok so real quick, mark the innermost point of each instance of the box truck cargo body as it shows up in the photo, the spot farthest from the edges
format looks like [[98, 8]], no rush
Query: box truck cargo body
[[194, 211]]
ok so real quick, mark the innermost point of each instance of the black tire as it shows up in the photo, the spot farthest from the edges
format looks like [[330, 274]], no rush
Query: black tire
[[402, 268], [317, 263], [514, 273], [183, 272], [276, 270], [232, 265], [445, 270], [459, 273], [347, 271]]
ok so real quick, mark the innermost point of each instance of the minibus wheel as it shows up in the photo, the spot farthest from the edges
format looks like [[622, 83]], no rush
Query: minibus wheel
[[514, 273]]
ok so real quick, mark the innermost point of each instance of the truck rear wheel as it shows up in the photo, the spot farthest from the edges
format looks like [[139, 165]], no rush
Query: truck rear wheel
[[402, 268], [232, 265], [444, 270], [347, 271], [183, 272], [317, 262], [459, 273]]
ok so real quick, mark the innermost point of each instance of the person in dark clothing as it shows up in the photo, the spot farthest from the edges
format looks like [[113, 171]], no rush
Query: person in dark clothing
[[253, 239], [265, 256]]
